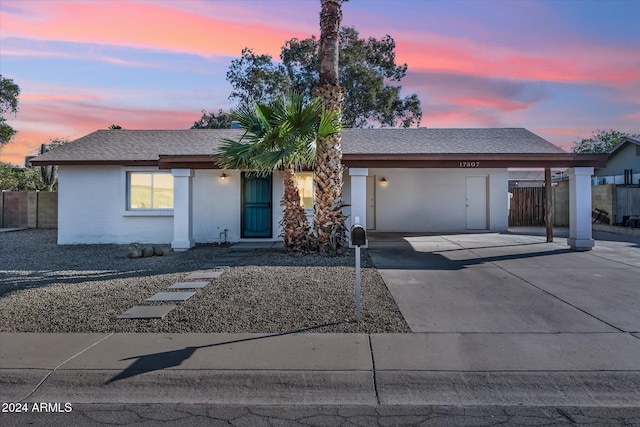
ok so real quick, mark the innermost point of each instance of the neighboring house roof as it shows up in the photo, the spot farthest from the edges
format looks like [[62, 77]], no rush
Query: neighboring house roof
[[626, 140], [361, 147]]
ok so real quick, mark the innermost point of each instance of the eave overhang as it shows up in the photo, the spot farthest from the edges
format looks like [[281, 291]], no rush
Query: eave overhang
[[444, 160]]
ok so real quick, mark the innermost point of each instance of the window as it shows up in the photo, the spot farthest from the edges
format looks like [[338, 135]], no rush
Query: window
[[305, 188], [149, 190]]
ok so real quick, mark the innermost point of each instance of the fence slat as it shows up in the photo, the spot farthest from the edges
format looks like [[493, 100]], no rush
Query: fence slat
[[527, 206]]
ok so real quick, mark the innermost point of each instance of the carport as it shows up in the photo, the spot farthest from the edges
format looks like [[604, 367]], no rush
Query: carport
[[386, 180]]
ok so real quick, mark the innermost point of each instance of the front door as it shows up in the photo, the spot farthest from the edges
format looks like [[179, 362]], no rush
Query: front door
[[476, 203], [256, 206]]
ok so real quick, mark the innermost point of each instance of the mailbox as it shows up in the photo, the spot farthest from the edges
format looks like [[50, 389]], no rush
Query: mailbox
[[358, 235]]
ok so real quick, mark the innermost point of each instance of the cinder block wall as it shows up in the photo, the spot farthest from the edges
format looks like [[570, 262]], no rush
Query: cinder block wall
[[603, 197], [15, 209], [47, 209], [561, 204], [28, 209]]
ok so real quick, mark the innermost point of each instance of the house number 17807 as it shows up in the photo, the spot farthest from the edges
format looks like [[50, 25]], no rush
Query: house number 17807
[[469, 164]]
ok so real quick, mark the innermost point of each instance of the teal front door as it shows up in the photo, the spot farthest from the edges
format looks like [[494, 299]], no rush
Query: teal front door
[[256, 206]]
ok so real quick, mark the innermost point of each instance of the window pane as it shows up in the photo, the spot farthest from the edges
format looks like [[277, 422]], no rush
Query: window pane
[[305, 187], [140, 190], [162, 191]]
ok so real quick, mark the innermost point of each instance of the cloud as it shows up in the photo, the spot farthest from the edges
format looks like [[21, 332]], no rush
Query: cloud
[[472, 100], [45, 116], [142, 24], [603, 64]]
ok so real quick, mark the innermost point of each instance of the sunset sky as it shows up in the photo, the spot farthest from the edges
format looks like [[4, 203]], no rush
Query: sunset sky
[[561, 69]]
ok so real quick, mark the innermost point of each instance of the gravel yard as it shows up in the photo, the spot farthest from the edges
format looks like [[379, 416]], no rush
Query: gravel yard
[[45, 287]]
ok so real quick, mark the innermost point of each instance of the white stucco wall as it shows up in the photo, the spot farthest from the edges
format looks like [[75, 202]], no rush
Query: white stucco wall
[[433, 200], [217, 205], [92, 204], [92, 209]]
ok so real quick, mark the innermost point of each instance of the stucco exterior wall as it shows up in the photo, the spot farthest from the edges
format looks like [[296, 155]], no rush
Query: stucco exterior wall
[[217, 206], [92, 204], [434, 200], [92, 209]]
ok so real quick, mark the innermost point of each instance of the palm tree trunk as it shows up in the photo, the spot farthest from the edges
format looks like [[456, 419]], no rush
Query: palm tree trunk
[[295, 226], [328, 220]]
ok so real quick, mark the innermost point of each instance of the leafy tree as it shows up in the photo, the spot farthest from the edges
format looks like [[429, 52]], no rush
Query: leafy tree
[[211, 121], [9, 92], [13, 178], [280, 134], [367, 71], [601, 141]]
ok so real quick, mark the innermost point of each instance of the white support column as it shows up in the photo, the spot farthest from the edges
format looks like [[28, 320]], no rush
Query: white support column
[[358, 195], [580, 236], [182, 210]]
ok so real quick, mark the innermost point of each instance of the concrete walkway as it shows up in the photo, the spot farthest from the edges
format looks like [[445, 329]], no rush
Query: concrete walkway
[[498, 320]]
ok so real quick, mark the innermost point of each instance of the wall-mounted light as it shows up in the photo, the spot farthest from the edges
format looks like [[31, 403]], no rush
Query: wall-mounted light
[[383, 181], [223, 176]]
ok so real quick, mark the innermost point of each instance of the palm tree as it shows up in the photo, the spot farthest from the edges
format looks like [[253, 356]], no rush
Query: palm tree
[[280, 134], [328, 219]]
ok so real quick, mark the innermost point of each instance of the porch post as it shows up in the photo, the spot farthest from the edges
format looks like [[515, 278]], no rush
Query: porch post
[[359, 195], [182, 210], [548, 205], [580, 236]]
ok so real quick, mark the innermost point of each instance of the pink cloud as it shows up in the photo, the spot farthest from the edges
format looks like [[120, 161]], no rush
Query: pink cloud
[[71, 117], [570, 63], [139, 24]]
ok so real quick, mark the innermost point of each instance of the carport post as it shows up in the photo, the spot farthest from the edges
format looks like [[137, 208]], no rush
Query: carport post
[[580, 234], [548, 204], [359, 195]]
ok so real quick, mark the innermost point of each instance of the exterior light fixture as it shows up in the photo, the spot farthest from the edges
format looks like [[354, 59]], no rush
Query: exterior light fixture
[[223, 176], [383, 181]]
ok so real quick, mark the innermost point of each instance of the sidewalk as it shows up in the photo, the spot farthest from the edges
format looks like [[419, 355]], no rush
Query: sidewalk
[[326, 369]]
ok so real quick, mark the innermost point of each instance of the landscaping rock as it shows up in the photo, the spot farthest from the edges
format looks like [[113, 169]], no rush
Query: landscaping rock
[[157, 250], [147, 251], [134, 250]]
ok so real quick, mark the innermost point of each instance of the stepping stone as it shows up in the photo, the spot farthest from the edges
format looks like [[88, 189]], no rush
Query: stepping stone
[[171, 296], [205, 275], [188, 285], [146, 312], [214, 265]]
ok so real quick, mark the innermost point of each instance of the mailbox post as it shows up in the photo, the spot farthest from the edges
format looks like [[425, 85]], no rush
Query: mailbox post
[[358, 238]]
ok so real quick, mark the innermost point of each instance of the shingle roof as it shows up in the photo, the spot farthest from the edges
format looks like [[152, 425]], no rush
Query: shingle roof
[[439, 141], [148, 145]]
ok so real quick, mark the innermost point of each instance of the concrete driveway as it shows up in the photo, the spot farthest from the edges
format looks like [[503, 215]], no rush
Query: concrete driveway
[[512, 283]]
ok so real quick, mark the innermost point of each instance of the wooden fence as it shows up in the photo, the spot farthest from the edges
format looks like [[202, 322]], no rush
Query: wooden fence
[[527, 206]]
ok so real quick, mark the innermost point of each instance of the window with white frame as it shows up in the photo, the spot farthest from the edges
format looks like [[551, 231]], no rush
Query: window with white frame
[[305, 188], [149, 190]]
